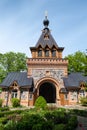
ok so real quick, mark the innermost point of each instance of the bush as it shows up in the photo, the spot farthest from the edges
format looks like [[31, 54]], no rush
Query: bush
[[1, 127], [30, 121], [83, 101], [15, 102], [4, 109], [79, 112], [59, 127], [57, 117], [10, 125], [40, 102], [72, 123], [1, 101], [3, 120]]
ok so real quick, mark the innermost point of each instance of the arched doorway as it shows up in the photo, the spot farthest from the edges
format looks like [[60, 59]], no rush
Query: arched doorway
[[48, 91]]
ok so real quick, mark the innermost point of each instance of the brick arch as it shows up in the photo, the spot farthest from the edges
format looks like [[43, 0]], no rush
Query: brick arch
[[46, 79], [51, 80]]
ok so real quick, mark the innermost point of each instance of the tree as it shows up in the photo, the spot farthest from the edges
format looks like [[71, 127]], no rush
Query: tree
[[12, 62], [2, 69], [77, 62], [86, 64]]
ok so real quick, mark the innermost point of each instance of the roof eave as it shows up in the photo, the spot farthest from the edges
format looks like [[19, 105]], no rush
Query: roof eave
[[32, 48]]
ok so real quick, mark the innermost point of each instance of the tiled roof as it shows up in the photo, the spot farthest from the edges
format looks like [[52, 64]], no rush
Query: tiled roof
[[74, 79], [50, 42], [19, 77]]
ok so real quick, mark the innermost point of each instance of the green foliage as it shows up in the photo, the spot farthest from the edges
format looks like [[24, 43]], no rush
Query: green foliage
[[83, 101], [0, 90], [57, 119], [4, 109], [72, 123], [77, 62], [60, 127], [6, 113], [15, 102], [11, 125], [3, 120], [57, 116], [1, 127], [11, 62], [1, 102], [40, 102], [79, 112]]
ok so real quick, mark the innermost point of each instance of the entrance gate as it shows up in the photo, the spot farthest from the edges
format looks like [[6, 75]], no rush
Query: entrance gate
[[48, 91]]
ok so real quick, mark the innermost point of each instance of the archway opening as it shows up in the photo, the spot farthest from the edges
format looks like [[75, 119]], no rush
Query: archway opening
[[48, 91]]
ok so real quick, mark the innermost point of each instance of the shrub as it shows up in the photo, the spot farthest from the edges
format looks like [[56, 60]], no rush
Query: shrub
[[3, 120], [10, 125], [57, 117], [1, 127], [4, 109], [83, 101], [59, 127], [79, 112], [15, 102], [1, 101], [40, 102], [30, 121], [72, 123]]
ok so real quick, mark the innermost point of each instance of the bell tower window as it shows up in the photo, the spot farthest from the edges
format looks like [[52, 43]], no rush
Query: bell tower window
[[46, 53], [39, 53], [53, 53]]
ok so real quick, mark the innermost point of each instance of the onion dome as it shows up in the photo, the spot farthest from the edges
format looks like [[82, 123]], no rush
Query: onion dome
[[46, 21]]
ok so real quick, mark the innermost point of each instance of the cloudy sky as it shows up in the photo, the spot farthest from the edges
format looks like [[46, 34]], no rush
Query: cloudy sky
[[21, 22]]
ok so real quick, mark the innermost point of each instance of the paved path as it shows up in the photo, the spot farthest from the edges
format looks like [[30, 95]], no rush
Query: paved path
[[79, 107], [82, 123]]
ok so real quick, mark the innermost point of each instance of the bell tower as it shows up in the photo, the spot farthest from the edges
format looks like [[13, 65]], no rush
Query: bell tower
[[47, 65], [46, 47]]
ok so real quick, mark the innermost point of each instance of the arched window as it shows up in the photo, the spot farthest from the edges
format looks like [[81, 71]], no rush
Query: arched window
[[39, 53], [14, 93], [46, 53], [53, 53]]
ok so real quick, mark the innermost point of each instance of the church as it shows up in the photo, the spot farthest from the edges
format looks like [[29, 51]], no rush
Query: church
[[47, 76]]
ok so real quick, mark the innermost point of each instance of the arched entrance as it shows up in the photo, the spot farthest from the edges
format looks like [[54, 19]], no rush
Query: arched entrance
[[48, 91]]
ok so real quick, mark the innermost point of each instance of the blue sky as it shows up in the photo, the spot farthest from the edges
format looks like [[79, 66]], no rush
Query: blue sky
[[21, 22]]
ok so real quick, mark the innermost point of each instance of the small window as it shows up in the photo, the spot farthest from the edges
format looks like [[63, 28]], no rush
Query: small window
[[39, 53], [23, 94], [53, 53], [14, 94], [66, 96], [30, 96], [74, 95], [47, 53]]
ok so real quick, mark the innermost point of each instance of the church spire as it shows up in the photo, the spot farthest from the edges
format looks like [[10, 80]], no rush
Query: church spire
[[46, 21]]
